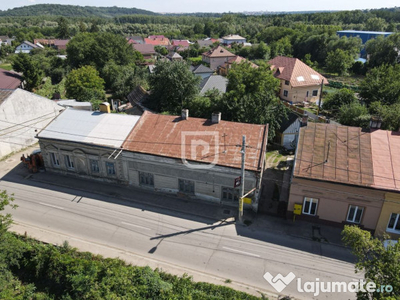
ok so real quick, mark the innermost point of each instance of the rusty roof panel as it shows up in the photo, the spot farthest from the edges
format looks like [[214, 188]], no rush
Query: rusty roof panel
[[197, 140]]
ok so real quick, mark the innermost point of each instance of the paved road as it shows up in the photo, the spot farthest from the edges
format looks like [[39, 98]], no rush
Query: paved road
[[201, 245]]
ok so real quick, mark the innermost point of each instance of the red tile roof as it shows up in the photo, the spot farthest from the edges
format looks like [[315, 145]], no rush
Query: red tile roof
[[238, 59], [181, 43], [161, 135], [144, 49], [349, 155], [157, 41], [219, 52], [295, 71], [9, 80]]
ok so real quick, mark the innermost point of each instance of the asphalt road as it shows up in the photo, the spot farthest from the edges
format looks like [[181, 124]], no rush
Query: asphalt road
[[221, 249]]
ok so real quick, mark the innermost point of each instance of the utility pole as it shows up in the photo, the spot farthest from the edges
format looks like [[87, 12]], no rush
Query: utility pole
[[243, 151]]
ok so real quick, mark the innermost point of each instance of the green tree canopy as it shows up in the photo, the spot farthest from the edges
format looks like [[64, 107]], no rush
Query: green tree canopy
[[96, 49], [383, 50], [251, 97], [339, 61], [31, 70], [382, 84], [381, 265], [173, 86], [85, 84], [337, 99], [354, 114], [62, 29]]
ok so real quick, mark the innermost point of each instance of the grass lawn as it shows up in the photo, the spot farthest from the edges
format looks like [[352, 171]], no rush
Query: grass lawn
[[6, 66]]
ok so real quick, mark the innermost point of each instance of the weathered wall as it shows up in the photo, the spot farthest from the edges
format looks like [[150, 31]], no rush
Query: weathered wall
[[334, 200], [22, 116], [391, 205]]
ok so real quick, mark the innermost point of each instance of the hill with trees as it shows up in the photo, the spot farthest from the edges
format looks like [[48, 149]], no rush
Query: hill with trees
[[72, 11]]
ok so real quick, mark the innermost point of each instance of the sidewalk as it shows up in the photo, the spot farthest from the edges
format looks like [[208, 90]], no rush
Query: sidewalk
[[208, 211]]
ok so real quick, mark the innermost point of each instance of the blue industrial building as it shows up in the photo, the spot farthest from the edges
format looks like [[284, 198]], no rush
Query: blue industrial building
[[363, 35]]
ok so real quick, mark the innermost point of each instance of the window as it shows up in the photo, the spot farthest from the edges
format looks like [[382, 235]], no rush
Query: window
[[110, 167], [287, 82], [355, 213], [186, 186], [68, 162], [310, 206], [394, 223], [307, 94], [285, 93], [315, 93], [94, 166], [146, 179], [54, 160], [230, 194]]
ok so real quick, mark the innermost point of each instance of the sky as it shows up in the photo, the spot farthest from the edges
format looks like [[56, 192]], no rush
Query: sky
[[177, 6]]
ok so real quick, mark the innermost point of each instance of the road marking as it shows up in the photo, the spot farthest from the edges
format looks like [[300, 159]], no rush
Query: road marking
[[53, 206], [130, 224], [243, 252]]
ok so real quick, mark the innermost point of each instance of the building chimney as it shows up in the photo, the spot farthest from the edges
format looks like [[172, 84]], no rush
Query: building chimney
[[375, 122], [185, 114], [215, 117], [105, 107], [304, 119]]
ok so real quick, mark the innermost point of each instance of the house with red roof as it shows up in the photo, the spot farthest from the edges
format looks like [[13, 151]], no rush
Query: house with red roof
[[298, 82], [157, 40], [10, 80], [147, 51], [347, 175], [224, 69], [191, 157], [217, 57]]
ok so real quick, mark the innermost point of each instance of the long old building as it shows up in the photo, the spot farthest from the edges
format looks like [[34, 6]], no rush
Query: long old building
[[193, 157]]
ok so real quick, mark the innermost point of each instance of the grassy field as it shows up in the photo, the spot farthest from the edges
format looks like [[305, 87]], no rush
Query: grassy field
[[6, 66]]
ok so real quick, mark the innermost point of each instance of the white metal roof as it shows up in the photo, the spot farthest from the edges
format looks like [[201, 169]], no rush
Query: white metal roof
[[90, 127]]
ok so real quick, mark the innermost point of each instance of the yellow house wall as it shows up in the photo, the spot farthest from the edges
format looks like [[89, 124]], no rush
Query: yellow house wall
[[299, 94], [390, 205]]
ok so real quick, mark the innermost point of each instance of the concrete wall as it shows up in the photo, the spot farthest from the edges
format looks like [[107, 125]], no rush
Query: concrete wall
[[391, 205], [22, 116], [299, 94], [80, 155], [167, 172], [334, 201]]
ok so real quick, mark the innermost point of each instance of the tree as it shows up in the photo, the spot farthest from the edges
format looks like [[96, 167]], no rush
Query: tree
[[383, 50], [85, 84], [376, 24], [62, 29], [251, 97], [5, 219], [173, 86], [339, 61], [381, 265], [390, 115], [382, 84], [354, 114], [30, 69], [97, 49], [160, 49], [337, 99]]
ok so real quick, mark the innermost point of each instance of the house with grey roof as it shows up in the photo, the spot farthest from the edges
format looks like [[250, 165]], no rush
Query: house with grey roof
[[27, 47], [22, 115], [86, 143], [202, 71], [233, 38], [217, 82]]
